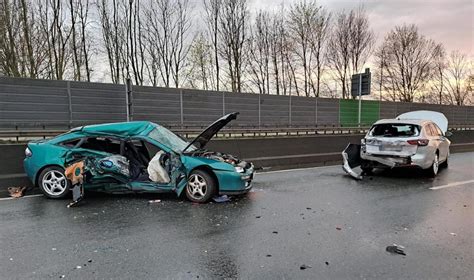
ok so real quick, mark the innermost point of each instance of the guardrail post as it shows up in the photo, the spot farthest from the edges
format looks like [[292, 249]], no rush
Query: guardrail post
[[68, 83], [289, 113], [259, 112], [223, 103], [316, 112], [181, 108], [129, 99]]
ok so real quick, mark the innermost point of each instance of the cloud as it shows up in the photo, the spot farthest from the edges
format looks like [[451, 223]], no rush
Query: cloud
[[449, 22]]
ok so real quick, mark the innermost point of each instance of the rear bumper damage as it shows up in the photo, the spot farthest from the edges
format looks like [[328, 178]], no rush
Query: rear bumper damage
[[352, 159], [355, 156]]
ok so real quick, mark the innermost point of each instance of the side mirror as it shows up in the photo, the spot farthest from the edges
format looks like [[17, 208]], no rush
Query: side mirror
[[448, 134]]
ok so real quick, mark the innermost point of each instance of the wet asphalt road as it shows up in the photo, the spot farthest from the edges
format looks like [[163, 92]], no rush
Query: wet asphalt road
[[315, 217]]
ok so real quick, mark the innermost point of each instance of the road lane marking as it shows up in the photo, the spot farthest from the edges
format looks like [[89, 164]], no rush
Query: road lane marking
[[11, 198], [294, 169], [455, 184]]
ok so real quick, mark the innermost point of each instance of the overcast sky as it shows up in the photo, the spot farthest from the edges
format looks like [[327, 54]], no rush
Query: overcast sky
[[450, 22]]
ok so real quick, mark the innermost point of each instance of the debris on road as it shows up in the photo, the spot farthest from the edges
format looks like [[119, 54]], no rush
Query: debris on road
[[351, 159], [154, 201], [221, 199], [16, 192], [396, 249], [304, 266]]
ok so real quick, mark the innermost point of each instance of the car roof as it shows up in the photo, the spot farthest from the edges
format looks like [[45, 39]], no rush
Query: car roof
[[123, 129], [404, 121]]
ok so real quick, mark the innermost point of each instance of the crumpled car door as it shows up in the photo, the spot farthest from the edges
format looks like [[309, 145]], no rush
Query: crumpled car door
[[103, 172], [177, 175]]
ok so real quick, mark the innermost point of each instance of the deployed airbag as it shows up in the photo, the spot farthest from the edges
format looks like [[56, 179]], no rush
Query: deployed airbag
[[156, 170]]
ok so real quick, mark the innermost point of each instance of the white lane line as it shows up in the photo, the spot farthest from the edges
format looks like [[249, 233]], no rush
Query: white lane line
[[10, 198], [455, 184], [294, 169]]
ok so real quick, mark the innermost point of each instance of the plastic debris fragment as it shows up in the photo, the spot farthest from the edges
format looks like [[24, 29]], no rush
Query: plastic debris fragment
[[221, 199], [395, 249], [304, 266], [17, 192]]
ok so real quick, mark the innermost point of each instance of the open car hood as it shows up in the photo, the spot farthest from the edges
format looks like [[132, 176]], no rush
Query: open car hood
[[438, 118], [204, 137]]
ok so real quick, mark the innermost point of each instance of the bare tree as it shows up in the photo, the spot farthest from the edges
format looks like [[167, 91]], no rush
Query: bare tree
[[339, 49], [201, 64], [259, 50], [233, 35], [10, 39], [410, 62], [168, 26], [350, 45], [213, 12], [362, 39], [318, 41], [458, 79], [114, 38], [437, 85]]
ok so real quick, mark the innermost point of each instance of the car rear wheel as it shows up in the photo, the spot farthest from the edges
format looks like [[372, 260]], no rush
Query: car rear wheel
[[53, 182], [201, 186], [433, 170]]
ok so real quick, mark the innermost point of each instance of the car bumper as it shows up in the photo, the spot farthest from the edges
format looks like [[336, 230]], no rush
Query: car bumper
[[30, 169], [234, 182], [422, 160]]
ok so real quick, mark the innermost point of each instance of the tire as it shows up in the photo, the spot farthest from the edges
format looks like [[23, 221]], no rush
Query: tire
[[445, 163], [367, 169], [434, 169], [53, 183], [201, 186]]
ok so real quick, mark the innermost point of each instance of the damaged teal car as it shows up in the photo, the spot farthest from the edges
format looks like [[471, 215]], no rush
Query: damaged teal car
[[138, 157]]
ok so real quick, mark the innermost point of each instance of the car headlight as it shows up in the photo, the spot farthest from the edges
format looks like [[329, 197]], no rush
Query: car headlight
[[28, 152], [239, 169]]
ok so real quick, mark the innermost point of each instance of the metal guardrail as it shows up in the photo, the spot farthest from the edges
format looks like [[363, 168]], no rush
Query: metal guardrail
[[232, 132]]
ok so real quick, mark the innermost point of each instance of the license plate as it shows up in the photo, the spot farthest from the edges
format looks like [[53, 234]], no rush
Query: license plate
[[390, 148]]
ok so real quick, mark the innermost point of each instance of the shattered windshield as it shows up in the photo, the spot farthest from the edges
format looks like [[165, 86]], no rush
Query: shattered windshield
[[395, 130], [169, 139]]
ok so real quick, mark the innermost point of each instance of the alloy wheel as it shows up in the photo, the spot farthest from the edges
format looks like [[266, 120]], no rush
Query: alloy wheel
[[197, 186], [54, 183], [436, 164]]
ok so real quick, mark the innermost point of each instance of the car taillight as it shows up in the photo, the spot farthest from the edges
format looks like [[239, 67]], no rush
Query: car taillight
[[419, 142], [28, 152]]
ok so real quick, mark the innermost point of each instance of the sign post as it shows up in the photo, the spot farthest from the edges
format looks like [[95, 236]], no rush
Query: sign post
[[360, 85]]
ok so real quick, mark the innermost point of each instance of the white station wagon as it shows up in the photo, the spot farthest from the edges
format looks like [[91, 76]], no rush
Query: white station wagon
[[414, 139]]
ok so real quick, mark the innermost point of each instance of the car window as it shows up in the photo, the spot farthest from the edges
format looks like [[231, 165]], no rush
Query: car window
[[102, 144], [431, 130], [152, 149], [70, 143], [395, 130], [440, 133]]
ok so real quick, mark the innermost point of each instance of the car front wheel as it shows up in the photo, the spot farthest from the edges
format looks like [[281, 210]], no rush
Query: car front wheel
[[53, 182], [201, 187]]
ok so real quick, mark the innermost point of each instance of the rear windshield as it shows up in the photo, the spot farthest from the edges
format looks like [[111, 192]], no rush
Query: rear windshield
[[395, 130]]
